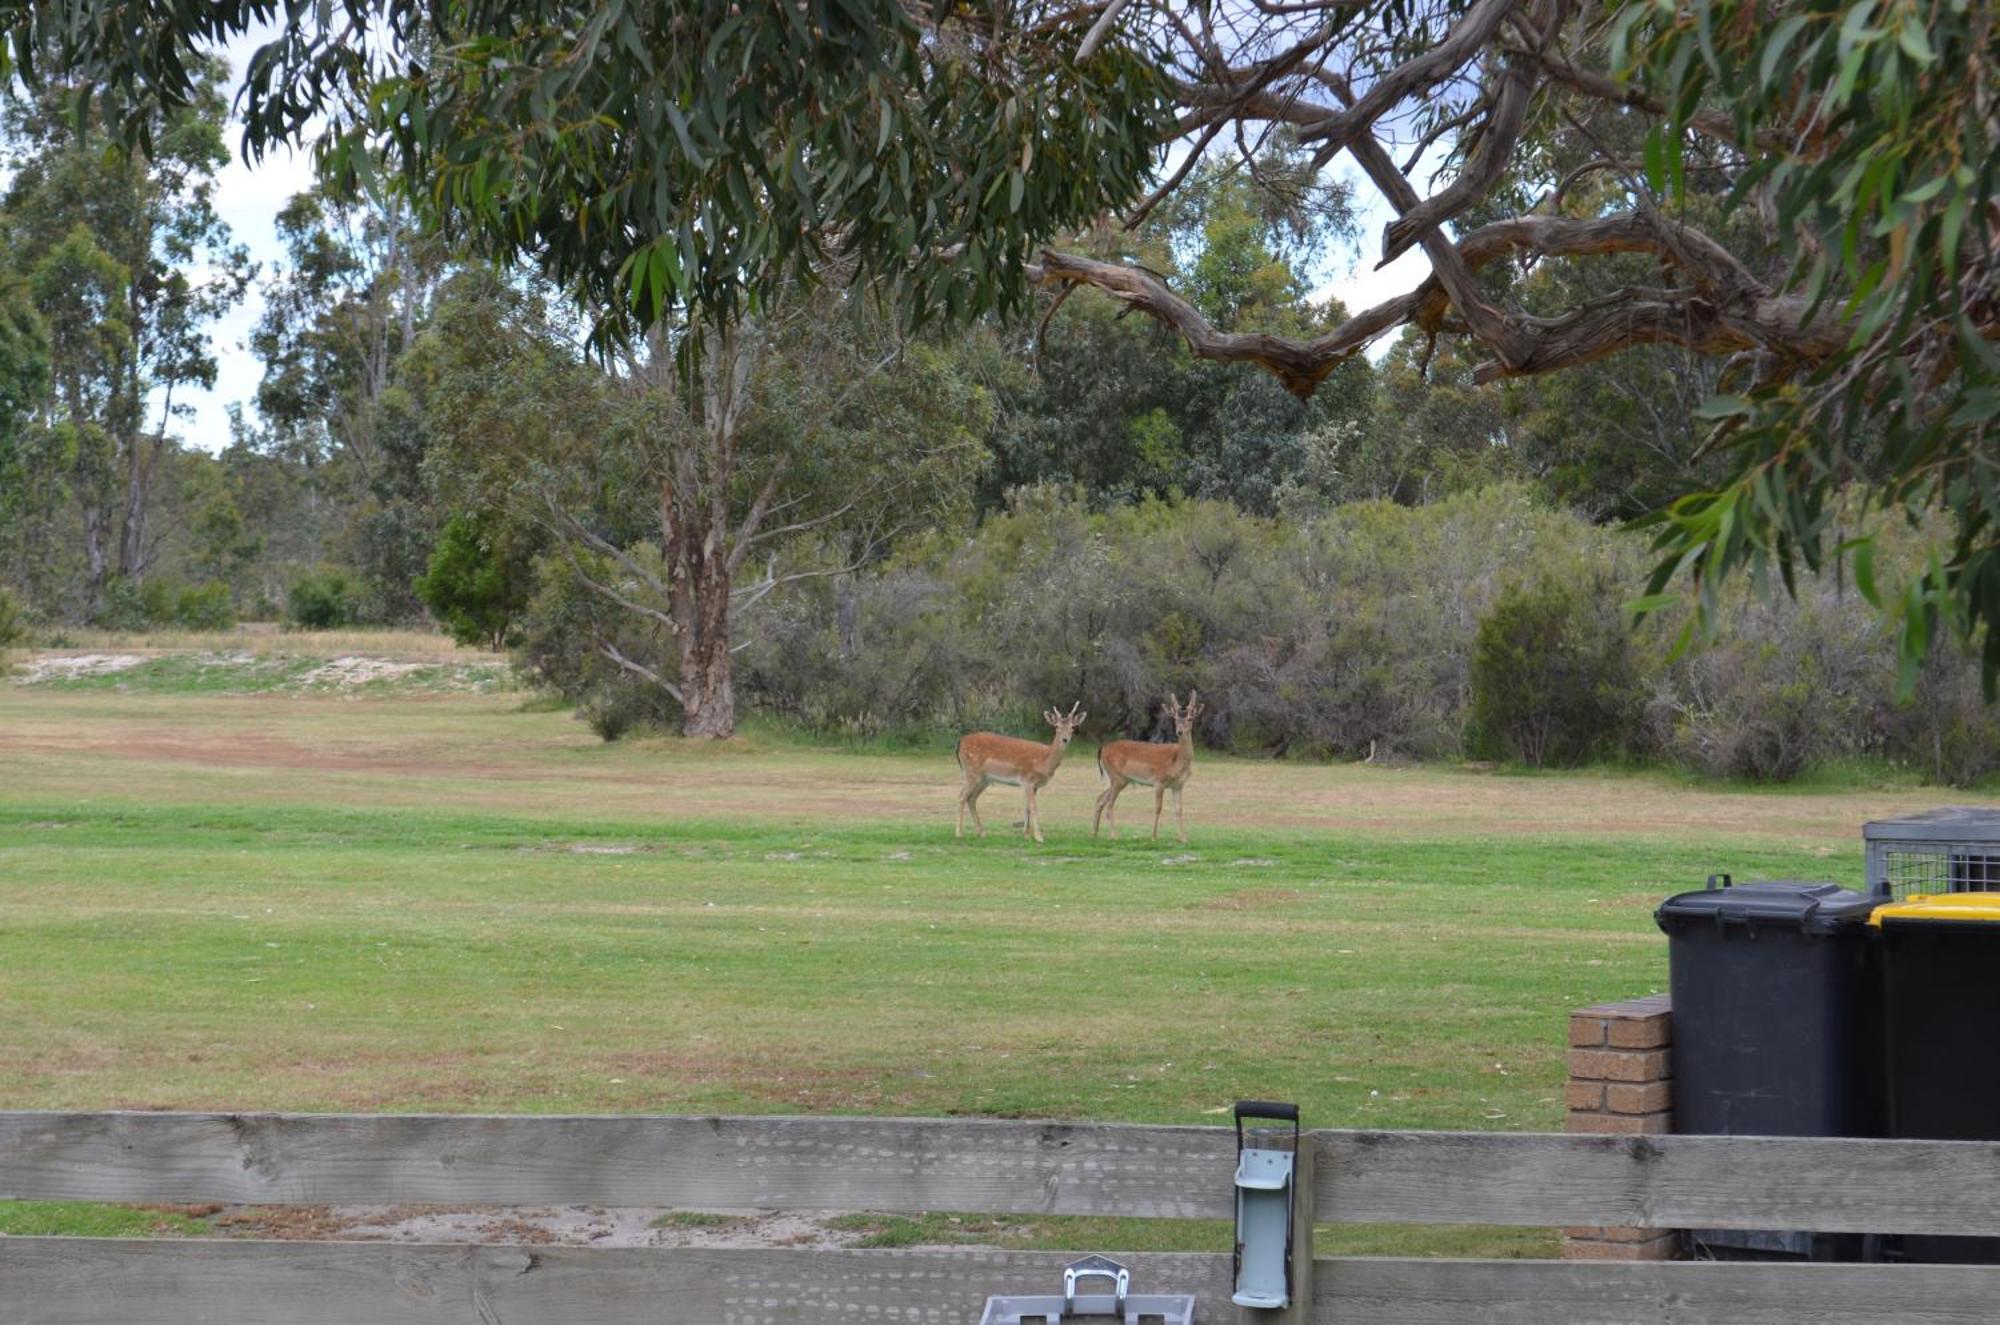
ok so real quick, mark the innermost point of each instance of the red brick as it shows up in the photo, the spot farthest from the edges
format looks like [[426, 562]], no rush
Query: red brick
[[1652, 1097], [1640, 1032], [1584, 1094], [1624, 1124], [1658, 1247], [1620, 1065], [1587, 1032]]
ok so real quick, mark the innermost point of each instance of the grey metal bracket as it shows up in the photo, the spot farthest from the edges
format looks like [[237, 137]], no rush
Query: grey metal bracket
[[1266, 1212]]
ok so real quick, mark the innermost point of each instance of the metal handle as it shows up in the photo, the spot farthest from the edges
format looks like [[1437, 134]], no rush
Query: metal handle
[[1267, 1109], [1272, 1109], [1095, 1267], [1716, 881]]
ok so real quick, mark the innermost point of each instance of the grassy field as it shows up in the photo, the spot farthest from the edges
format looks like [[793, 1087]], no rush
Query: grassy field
[[402, 899]]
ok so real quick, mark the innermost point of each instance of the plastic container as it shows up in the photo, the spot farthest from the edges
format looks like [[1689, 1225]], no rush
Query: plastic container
[[1777, 1000], [1940, 956], [1777, 1010]]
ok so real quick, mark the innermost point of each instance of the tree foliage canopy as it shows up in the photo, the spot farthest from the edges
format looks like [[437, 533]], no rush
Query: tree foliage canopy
[[1801, 191]]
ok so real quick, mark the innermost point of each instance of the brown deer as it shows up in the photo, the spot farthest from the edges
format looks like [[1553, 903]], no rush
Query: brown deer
[[1156, 764], [987, 757]]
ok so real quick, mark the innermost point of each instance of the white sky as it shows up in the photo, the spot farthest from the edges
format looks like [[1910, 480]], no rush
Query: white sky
[[249, 199]]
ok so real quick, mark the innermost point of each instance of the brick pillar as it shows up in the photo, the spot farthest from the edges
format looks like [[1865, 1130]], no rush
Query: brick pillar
[[1621, 1082]]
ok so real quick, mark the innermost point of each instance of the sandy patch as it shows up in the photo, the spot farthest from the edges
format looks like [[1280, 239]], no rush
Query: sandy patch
[[65, 667], [354, 670]]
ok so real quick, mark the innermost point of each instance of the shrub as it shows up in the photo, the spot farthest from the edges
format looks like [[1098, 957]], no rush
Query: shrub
[[1948, 729], [205, 607], [1786, 685], [124, 605], [321, 600], [478, 579], [1554, 677], [560, 643]]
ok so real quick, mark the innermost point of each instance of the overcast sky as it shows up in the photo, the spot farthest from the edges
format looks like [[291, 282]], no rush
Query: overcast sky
[[249, 199]]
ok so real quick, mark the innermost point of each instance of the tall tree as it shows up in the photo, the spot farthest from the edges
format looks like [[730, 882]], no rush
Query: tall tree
[[349, 299], [355, 286], [805, 443], [128, 265], [1116, 405]]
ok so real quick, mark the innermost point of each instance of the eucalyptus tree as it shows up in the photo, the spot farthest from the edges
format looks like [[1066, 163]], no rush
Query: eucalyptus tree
[[678, 155], [805, 441], [128, 265], [24, 383], [355, 285]]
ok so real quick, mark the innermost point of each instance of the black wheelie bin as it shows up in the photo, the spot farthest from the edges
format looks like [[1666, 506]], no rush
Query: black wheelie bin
[[1777, 997]]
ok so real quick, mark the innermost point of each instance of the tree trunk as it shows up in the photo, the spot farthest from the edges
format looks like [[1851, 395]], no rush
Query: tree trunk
[[708, 693], [95, 520], [847, 614], [132, 556]]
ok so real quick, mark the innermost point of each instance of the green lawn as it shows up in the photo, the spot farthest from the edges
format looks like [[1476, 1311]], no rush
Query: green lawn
[[463, 902], [277, 957]]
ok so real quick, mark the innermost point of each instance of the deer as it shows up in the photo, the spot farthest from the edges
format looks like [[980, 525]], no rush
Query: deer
[[1160, 765], [988, 757]]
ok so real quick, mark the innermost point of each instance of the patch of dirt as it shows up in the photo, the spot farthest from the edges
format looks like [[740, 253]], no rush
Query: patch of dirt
[[542, 1226], [1254, 899], [67, 667], [354, 670], [202, 1211], [581, 848]]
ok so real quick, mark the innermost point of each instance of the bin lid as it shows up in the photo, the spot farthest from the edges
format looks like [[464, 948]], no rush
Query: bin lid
[[1967, 824], [1962, 908], [1815, 907]]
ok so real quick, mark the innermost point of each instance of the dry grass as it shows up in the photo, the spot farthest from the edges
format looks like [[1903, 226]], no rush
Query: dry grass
[[267, 639], [485, 753]]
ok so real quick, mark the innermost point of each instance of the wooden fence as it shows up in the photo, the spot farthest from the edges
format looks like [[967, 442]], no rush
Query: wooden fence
[[977, 1167]]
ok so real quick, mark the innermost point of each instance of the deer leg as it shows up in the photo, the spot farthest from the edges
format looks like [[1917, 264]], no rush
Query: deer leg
[[972, 790], [1180, 823], [1107, 804], [1032, 826], [1159, 804]]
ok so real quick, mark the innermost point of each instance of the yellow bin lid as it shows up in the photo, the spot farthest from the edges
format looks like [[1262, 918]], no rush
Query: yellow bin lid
[[1969, 908]]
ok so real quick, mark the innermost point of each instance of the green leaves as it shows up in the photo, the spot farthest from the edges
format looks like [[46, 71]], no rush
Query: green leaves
[[679, 160], [1879, 166]]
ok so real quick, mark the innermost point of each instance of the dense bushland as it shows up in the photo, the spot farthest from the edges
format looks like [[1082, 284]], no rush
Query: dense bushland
[[1488, 624]]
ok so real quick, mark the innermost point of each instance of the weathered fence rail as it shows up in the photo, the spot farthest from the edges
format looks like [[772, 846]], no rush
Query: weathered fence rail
[[998, 1167]]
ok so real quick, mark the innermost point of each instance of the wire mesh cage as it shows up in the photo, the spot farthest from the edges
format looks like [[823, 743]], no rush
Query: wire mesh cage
[[1951, 850]]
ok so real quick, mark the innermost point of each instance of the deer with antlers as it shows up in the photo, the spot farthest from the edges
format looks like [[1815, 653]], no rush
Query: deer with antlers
[[988, 757], [1163, 766]]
